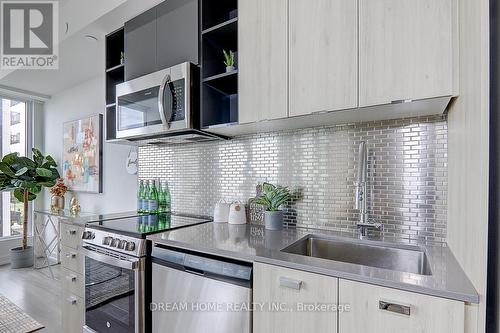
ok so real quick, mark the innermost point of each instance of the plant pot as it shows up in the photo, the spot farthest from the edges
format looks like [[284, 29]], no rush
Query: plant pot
[[21, 258], [274, 220], [230, 69], [57, 203]]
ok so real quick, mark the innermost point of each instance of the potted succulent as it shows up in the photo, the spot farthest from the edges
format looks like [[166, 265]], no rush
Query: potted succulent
[[26, 177], [229, 60], [272, 198]]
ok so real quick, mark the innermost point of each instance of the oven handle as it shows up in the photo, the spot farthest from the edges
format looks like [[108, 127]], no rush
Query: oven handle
[[126, 264], [164, 116]]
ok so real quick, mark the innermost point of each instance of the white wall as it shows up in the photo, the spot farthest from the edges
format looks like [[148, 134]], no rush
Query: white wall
[[119, 188]]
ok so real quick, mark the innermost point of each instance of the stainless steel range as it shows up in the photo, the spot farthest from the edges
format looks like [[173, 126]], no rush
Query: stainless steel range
[[117, 268]]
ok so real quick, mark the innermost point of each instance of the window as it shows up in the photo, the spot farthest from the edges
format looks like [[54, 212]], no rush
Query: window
[[15, 118], [14, 138]]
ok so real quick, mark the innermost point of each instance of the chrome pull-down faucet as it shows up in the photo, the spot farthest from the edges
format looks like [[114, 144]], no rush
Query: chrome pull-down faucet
[[361, 193]]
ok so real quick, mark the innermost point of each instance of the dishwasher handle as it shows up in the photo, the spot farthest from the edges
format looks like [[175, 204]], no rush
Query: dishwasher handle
[[207, 266]]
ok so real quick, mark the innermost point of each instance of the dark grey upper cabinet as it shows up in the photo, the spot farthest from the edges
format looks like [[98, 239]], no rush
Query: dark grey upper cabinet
[[164, 36], [140, 45], [177, 32]]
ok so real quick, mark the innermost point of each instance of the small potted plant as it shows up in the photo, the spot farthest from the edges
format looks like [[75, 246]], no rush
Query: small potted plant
[[58, 192], [229, 60], [26, 177], [272, 198]]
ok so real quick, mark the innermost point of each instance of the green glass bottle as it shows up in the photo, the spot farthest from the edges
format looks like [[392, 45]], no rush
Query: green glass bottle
[[140, 197], [162, 203], [153, 199], [168, 198], [145, 202]]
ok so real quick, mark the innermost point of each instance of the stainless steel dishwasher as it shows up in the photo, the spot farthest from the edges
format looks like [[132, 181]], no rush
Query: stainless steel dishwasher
[[193, 293]]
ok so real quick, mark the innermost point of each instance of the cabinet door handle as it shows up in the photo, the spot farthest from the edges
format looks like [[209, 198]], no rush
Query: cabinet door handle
[[401, 101], [71, 278], [393, 307], [290, 283], [71, 232], [71, 300], [71, 255]]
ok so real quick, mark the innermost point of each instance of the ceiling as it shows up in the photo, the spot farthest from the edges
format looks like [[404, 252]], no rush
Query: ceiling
[[80, 57]]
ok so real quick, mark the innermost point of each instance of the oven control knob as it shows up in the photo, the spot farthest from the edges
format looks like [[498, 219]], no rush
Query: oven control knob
[[115, 242], [130, 246], [107, 240], [88, 235], [122, 244]]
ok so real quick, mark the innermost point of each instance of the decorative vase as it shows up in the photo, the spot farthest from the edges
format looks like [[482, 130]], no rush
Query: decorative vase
[[230, 69], [274, 220], [21, 258], [57, 203]]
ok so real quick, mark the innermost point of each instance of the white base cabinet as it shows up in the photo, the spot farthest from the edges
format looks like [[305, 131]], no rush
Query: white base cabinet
[[283, 295], [383, 310], [287, 301], [72, 279]]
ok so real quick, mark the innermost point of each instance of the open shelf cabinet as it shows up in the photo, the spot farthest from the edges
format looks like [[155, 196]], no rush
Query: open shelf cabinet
[[114, 74], [219, 88]]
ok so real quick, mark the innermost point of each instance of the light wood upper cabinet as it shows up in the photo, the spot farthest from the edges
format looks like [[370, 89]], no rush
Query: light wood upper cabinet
[[289, 289], [323, 55], [262, 59], [427, 314], [405, 50]]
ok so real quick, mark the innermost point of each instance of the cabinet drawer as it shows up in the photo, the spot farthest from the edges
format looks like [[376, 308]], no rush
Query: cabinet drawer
[[284, 295], [71, 235], [71, 259], [393, 311], [73, 282], [73, 313]]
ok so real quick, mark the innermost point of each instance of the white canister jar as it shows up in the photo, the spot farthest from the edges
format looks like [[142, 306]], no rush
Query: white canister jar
[[237, 213], [221, 211]]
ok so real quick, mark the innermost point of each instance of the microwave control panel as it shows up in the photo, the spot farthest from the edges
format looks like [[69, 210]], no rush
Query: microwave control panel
[[177, 89]]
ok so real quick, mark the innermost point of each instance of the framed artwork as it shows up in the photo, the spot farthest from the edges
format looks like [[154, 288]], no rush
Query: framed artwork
[[82, 154]]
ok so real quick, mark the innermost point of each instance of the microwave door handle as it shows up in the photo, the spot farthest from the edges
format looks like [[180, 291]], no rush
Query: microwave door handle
[[165, 115]]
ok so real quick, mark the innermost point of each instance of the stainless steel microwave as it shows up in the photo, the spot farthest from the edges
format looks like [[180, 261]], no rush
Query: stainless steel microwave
[[161, 103]]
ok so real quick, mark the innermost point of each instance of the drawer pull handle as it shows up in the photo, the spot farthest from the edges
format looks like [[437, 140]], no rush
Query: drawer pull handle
[[71, 232], [402, 101], [71, 300], [71, 278], [70, 255], [290, 283], [392, 307]]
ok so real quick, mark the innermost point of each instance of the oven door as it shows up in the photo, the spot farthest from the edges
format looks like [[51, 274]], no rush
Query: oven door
[[114, 292]]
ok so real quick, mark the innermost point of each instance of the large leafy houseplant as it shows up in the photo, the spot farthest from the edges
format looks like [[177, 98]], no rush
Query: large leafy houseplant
[[26, 177], [272, 198]]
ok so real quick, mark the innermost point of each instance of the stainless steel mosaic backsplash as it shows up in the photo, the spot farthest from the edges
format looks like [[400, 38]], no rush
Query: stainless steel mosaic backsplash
[[407, 167]]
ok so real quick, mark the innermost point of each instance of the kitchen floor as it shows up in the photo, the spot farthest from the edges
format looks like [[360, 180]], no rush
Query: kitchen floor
[[35, 293]]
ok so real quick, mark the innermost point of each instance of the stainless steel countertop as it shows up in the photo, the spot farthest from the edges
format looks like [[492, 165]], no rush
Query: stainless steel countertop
[[253, 243]]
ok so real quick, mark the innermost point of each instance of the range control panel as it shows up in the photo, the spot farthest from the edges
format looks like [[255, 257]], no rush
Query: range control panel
[[115, 242]]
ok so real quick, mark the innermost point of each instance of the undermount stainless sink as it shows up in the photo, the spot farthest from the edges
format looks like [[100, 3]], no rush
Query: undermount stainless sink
[[410, 259]]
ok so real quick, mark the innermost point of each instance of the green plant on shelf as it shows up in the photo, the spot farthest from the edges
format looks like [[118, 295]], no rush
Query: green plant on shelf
[[229, 59], [273, 197]]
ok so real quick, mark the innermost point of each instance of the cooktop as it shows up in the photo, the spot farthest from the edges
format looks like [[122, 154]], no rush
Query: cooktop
[[143, 225]]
